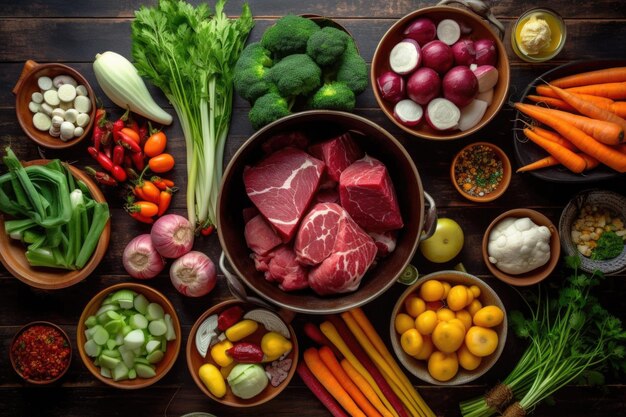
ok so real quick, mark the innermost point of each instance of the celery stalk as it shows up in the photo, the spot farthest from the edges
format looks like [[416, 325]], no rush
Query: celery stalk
[[98, 221]]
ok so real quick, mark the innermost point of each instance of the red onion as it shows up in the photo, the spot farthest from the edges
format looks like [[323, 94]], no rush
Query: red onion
[[140, 258], [193, 274], [172, 235]]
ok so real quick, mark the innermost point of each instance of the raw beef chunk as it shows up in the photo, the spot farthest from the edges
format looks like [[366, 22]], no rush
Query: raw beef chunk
[[316, 237], [260, 237], [337, 153]]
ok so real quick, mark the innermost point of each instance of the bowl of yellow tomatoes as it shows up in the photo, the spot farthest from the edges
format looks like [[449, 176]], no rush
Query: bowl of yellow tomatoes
[[448, 328]]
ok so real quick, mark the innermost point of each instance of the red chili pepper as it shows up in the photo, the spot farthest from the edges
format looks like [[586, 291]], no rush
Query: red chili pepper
[[143, 133], [132, 124], [118, 125], [105, 140], [128, 142], [101, 177], [118, 173], [244, 352], [162, 183], [104, 161], [118, 155], [128, 161], [131, 134], [165, 198], [137, 216], [98, 129], [229, 317], [132, 174], [207, 230], [138, 160], [138, 192]]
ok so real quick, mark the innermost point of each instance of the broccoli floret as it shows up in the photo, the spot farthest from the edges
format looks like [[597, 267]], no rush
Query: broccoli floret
[[289, 35], [333, 96], [352, 69], [296, 75], [250, 79], [268, 108], [327, 45]]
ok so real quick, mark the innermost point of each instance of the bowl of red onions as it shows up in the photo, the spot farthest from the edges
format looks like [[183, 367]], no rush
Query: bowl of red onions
[[440, 73], [192, 272]]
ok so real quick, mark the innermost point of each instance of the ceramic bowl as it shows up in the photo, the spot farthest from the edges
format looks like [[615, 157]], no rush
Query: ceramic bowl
[[173, 346], [537, 274], [557, 24], [502, 185], [13, 258], [419, 368], [27, 85], [14, 359], [614, 202], [480, 30], [195, 359]]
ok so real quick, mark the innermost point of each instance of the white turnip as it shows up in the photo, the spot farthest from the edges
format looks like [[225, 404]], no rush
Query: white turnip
[[487, 76], [422, 29], [391, 86], [464, 52], [405, 57], [438, 56], [472, 114], [442, 114], [460, 86], [486, 52], [423, 85], [448, 31], [408, 112]]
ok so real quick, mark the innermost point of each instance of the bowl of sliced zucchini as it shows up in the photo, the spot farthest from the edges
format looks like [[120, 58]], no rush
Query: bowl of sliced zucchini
[[129, 336]]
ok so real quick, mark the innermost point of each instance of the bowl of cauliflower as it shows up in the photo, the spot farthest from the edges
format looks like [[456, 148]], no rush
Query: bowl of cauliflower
[[521, 247]]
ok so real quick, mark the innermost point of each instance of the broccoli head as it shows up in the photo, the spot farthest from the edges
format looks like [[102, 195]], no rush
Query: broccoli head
[[296, 75], [333, 96], [352, 69], [327, 45], [250, 78], [289, 35], [268, 108]]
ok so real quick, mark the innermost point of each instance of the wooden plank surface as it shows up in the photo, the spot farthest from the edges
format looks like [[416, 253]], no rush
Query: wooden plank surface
[[73, 32]]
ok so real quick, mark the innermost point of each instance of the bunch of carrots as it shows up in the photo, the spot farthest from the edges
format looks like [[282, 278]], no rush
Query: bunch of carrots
[[354, 374], [587, 121]]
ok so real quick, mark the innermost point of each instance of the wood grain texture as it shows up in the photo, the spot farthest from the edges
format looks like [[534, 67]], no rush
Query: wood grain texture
[[72, 33]]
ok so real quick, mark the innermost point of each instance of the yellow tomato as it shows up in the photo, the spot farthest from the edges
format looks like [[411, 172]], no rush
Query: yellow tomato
[[474, 307], [411, 342], [445, 314], [465, 317], [459, 323], [475, 290], [434, 305], [403, 322], [443, 366], [446, 288], [470, 296], [448, 337], [414, 305], [432, 290], [219, 355], [489, 316], [481, 341], [457, 298], [425, 323], [427, 348], [467, 359]]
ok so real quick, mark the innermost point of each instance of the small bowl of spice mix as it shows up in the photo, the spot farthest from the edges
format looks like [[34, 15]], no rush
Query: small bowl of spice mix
[[481, 172], [41, 353]]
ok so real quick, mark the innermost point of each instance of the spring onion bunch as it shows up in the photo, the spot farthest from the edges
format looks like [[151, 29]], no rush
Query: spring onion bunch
[[190, 55], [572, 338]]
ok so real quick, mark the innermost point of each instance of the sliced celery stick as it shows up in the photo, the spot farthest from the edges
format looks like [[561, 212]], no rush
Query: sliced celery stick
[[157, 327], [134, 339], [92, 349], [111, 344], [114, 326], [144, 371], [155, 356], [126, 330], [171, 333], [119, 339], [105, 372], [113, 315], [141, 360], [129, 358], [152, 345], [100, 336], [141, 304], [132, 374], [124, 298], [154, 312], [91, 321], [108, 362], [137, 321], [106, 307], [111, 353], [163, 344], [120, 372]]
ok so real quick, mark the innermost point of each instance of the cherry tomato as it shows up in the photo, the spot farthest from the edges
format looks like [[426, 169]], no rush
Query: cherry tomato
[[144, 208], [131, 134], [155, 145], [150, 191], [161, 163]]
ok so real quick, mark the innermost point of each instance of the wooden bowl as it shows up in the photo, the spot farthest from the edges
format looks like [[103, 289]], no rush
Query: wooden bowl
[[320, 125], [173, 346], [27, 84], [480, 30], [419, 368], [14, 360], [12, 252], [538, 274], [195, 359], [602, 198], [504, 182]]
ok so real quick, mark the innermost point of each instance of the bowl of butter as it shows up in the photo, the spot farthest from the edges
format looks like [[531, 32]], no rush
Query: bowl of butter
[[538, 35]]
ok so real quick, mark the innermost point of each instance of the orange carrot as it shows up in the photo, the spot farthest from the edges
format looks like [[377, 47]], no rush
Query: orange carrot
[[607, 75], [331, 362], [548, 161], [551, 102], [617, 107], [615, 91], [364, 387], [568, 158], [590, 161], [608, 133], [554, 137], [589, 109], [546, 91], [605, 154], [326, 378]]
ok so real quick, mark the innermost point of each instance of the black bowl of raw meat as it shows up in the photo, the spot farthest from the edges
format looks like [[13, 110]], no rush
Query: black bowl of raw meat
[[321, 211]]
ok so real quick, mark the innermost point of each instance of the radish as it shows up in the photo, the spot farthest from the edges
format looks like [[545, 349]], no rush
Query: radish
[[422, 29], [472, 114], [487, 76], [486, 52], [408, 112], [438, 56], [391, 86], [460, 86], [464, 52], [442, 114], [423, 85], [465, 28], [448, 31], [487, 96], [405, 56]]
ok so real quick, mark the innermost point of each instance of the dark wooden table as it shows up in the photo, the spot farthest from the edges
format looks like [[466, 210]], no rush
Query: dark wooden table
[[73, 32]]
